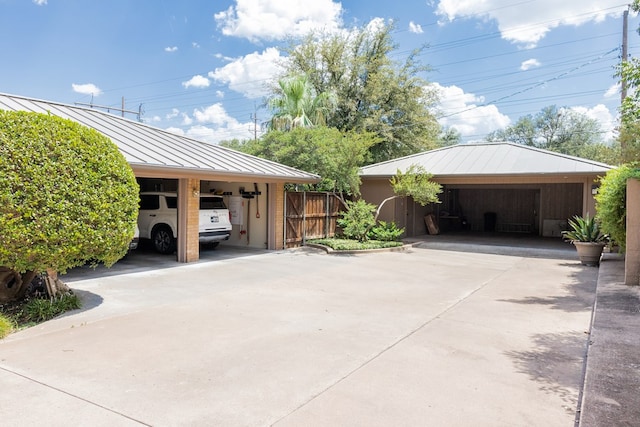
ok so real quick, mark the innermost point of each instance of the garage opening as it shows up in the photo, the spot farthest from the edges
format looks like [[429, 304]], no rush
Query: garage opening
[[534, 209]]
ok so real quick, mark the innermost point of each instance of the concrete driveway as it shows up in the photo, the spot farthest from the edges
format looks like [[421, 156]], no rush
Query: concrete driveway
[[302, 338]]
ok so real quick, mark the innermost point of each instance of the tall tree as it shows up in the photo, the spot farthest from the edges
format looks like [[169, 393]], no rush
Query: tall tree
[[557, 129], [296, 104], [334, 155], [373, 93], [629, 73]]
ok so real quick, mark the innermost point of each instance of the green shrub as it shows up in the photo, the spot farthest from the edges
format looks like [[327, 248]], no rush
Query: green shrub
[[67, 196], [386, 231], [357, 220], [611, 202], [353, 245], [40, 309], [6, 326]]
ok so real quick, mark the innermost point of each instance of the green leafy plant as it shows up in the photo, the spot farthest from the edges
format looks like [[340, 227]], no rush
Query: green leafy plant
[[40, 309], [354, 245], [386, 231], [6, 326], [357, 220], [611, 202], [67, 196], [584, 229]]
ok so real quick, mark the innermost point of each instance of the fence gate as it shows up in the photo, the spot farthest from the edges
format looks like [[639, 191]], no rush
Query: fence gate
[[309, 215]]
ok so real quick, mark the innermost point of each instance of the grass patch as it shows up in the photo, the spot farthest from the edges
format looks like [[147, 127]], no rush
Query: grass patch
[[354, 245], [6, 326], [31, 311]]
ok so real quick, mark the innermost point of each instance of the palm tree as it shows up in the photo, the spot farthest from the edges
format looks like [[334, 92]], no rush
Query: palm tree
[[298, 105]]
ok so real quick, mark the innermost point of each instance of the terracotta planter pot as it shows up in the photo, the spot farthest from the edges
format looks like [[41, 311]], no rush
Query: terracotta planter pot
[[589, 252]]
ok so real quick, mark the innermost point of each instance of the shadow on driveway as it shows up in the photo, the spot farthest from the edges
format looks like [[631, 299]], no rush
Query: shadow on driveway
[[146, 259]]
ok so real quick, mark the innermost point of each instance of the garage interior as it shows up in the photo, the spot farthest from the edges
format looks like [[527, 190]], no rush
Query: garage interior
[[535, 209], [246, 201]]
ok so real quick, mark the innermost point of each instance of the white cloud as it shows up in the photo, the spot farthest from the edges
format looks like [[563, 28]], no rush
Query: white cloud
[[154, 119], [602, 114], [541, 16], [214, 114], [173, 114], [415, 28], [276, 19], [250, 74], [171, 49], [86, 89], [460, 110], [214, 136], [210, 124], [186, 120], [197, 81], [40, 2], [529, 63], [224, 58], [195, 45], [613, 91], [220, 94], [175, 130]]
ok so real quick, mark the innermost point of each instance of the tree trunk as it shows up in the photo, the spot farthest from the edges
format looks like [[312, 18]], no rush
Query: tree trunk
[[54, 285], [13, 285]]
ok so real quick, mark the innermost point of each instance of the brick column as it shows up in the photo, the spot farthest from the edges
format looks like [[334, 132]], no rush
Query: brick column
[[276, 216], [632, 255], [188, 219]]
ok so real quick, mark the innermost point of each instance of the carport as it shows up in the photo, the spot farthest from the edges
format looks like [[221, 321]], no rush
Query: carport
[[492, 187], [182, 164]]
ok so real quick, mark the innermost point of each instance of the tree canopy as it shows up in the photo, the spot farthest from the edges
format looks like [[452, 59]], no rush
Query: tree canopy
[[67, 196], [558, 129], [334, 155], [297, 105], [373, 93]]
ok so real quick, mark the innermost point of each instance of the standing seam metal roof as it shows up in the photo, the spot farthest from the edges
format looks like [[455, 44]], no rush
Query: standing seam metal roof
[[145, 145], [491, 158]]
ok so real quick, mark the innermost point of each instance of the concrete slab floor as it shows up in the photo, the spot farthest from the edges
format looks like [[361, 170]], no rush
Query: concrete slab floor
[[298, 337]]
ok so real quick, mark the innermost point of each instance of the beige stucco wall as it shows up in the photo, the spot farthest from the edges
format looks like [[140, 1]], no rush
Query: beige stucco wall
[[632, 254], [375, 191]]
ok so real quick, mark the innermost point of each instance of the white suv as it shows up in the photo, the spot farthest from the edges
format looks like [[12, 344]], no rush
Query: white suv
[[158, 220]]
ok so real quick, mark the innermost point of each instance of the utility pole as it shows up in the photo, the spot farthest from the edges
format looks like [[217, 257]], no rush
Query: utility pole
[[625, 26], [254, 118]]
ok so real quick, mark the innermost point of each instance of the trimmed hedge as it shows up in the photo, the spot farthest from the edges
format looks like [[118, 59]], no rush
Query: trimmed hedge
[[67, 194]]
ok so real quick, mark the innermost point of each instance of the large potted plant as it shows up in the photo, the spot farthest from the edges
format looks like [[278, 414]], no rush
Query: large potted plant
[[586, 236]]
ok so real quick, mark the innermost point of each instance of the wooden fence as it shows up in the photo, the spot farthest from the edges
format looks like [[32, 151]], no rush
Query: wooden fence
[[309, 215]]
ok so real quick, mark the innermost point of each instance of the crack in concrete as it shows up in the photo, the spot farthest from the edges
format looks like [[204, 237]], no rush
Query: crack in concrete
[[59, 390], [392, 345]]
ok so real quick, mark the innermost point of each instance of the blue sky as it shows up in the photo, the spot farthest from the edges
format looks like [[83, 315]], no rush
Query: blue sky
[[199, 68]]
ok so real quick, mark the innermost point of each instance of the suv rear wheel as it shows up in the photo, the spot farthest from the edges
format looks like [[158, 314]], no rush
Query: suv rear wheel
[[163, 240]]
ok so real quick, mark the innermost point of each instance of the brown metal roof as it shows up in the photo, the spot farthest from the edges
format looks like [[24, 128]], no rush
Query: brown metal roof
[[162, 153], [478, 159]]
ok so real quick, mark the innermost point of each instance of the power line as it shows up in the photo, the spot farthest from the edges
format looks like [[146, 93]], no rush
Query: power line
[[495, 101]]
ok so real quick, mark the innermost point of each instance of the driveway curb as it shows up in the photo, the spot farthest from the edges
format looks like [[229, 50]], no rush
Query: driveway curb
[[331, 251], [611, 391]]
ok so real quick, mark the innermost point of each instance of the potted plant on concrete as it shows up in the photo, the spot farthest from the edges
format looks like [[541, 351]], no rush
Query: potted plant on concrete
[[586, 236]]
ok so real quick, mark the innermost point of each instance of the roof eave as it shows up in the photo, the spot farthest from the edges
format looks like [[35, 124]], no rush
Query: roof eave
[[519, 175], [175, 172]]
